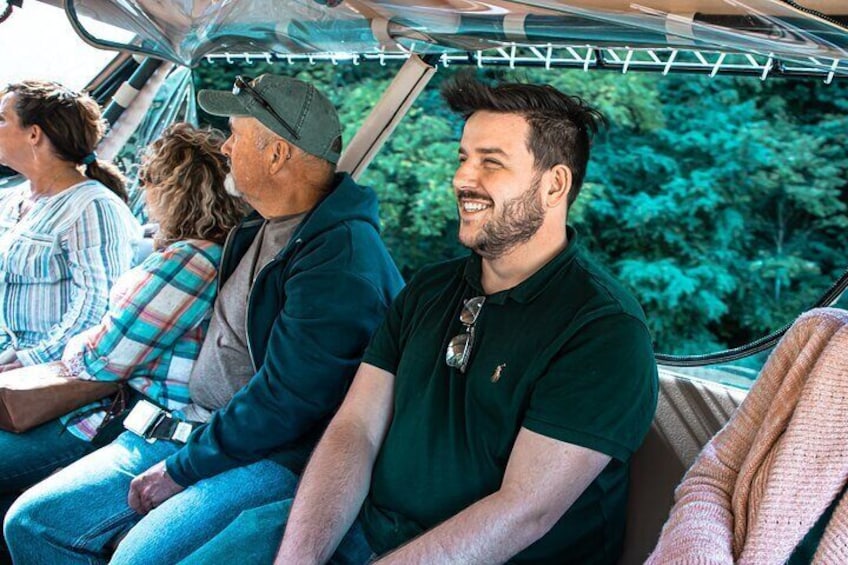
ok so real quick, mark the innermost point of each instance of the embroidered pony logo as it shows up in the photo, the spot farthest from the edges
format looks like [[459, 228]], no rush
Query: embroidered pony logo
[[496, 376]]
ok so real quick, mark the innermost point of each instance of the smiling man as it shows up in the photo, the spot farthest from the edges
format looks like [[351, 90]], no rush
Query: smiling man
[[496, 409]]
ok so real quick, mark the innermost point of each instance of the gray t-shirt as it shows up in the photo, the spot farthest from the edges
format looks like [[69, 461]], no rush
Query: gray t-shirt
[[224, 365]]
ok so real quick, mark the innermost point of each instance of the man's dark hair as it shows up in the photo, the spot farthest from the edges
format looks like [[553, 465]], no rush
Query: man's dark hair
[[561, 126]]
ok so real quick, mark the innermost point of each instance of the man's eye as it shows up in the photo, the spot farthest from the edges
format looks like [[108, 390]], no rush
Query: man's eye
[[491, 163]]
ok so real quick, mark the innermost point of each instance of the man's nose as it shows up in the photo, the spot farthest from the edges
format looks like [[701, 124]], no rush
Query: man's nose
[[225, 149], [465, 176]]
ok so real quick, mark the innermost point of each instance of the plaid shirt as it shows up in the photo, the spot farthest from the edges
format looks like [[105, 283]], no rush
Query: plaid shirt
[[57, 264], [158, 316]]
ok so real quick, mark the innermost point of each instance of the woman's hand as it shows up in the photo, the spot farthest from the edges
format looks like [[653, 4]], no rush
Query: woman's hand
[[9, 361], [11, 366]]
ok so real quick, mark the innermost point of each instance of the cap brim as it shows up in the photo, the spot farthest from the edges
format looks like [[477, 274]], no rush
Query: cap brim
[[221, 103]]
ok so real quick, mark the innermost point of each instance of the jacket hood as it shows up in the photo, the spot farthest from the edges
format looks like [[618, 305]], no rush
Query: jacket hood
[[348, 201]]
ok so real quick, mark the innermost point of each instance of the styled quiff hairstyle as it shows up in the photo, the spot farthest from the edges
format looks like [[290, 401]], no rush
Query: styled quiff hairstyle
[[561, 126], [73, 124], [187, 169]]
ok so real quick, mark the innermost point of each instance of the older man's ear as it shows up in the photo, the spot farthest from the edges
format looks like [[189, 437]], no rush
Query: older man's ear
[[280, 154]]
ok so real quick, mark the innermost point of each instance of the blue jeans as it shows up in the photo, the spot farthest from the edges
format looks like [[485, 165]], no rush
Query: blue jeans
[[78, 514], [31, 456], [255, 535]]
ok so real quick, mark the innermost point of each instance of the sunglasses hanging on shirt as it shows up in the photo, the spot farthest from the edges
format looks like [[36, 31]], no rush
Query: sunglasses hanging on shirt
[[459, 347]]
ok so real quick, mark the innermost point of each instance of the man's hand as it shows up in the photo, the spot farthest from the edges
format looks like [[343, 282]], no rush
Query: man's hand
[[152, 488]]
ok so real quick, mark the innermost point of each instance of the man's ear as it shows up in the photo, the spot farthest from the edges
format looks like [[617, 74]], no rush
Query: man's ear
[[280, 152], [559, 186]]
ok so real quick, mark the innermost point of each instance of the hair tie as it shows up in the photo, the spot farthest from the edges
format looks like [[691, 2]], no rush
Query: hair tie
[[90, 158]]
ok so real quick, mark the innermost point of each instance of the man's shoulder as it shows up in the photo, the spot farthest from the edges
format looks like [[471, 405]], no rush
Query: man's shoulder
[[602, 293], [349, 208], [352, 246]]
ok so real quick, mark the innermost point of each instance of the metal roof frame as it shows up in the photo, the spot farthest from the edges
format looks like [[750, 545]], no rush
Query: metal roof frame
[[586, 57]]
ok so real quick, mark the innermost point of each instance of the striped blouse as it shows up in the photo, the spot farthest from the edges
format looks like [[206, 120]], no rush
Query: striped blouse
[[57, 264], [158, 316]]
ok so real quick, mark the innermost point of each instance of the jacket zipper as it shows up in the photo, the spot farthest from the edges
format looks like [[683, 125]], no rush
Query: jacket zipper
[[227, 241], [297, 243]]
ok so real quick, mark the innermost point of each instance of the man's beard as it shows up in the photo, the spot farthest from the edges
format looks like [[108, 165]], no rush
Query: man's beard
[[519, 220], [230, 186]]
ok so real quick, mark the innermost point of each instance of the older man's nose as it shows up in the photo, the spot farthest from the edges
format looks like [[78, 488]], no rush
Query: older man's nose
[[226, 148]]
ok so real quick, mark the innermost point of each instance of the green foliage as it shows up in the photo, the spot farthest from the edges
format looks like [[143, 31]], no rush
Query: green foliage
[[727, 221], [720, 202]]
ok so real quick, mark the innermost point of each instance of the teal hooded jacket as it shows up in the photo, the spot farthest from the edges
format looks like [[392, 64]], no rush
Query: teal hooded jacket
[[310, 315]]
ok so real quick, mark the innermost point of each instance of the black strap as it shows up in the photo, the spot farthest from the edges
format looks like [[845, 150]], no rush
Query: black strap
[[164, 427], [113, 423]]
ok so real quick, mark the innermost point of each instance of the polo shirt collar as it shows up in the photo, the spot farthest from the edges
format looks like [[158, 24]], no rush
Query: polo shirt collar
[[532, 287]]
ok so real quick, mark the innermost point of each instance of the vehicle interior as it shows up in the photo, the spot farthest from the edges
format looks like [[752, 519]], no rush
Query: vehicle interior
[[781, 50]]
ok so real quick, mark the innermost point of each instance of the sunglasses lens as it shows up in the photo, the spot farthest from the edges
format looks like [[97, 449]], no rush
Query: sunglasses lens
[[471, 309], [457, 351], [239, 84]]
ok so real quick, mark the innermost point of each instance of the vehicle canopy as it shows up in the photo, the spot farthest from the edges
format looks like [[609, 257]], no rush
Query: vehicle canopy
[[789, 35]]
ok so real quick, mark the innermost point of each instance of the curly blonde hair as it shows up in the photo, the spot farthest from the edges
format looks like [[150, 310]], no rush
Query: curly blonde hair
[[188, 170]]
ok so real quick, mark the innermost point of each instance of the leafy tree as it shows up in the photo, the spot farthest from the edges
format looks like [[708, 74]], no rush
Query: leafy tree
[[720, 202]]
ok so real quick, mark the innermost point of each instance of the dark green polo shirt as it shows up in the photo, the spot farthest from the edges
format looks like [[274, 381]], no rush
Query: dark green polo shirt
[[565, 354]]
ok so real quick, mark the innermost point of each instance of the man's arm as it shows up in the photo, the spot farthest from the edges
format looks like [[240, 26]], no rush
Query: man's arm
[[543, 478], [303, 379], [338, 475], [314, 350]]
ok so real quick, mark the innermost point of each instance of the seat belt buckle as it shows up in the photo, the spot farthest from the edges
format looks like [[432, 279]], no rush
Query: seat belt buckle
[[143, 418], [182, 432]]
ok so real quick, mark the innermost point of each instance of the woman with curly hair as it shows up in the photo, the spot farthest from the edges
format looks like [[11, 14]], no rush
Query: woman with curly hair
[[66, 233], [158, 311]]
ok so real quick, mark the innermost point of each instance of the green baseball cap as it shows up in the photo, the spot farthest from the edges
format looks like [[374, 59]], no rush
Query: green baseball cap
[[293, 109]]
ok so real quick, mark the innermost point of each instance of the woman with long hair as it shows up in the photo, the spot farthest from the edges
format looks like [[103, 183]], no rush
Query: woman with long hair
[[158, 312], [66, 233]]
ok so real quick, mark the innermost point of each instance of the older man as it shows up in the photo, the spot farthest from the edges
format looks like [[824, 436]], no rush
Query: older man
[[305, 280], [496, 409]]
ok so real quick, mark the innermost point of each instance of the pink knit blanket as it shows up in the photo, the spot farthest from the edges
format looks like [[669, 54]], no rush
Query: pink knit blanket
[[761, 483]]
